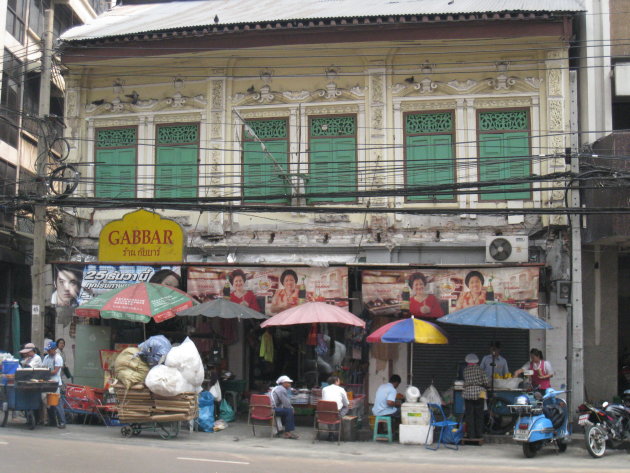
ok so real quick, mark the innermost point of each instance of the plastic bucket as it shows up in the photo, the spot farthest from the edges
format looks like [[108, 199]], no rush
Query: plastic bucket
[[10, 366], [52, 399]]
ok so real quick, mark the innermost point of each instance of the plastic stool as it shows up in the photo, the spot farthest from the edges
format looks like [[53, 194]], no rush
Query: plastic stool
[[386, 436]]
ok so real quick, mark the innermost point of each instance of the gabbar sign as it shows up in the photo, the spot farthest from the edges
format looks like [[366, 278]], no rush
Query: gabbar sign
[[141, 236]]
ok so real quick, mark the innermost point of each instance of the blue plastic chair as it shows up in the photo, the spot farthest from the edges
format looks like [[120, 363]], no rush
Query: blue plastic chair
[[447, 437]]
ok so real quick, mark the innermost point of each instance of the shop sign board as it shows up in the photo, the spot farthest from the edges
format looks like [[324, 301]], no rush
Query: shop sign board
[[269, 290], [75, 284], [141, 236], [431, 293]]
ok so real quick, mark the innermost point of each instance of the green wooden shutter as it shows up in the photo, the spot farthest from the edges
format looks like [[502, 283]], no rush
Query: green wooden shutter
[[332, 169], [503, 156], [115, 173], [176, 174], [261, 176], [430, 162]]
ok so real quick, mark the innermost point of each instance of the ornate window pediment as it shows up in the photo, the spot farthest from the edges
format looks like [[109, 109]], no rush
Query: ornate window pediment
[[177, 101]]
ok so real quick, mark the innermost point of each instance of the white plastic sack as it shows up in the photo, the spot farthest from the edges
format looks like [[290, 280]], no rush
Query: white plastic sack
[[431, 396], [167, 381], [215, 390], [186, 359]]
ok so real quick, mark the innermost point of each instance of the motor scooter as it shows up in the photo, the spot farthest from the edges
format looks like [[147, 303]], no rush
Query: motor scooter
[[541, 421]]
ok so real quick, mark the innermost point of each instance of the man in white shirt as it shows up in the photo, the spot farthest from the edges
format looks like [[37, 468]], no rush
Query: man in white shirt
[[334, 392], [30, 358], [54, 363]]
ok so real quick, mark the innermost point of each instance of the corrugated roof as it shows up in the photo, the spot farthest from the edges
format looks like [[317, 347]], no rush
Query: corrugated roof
[[136, 19]]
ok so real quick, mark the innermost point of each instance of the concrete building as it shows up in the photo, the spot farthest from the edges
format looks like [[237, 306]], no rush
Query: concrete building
[[604, 102], [20, 130], [370, 135]]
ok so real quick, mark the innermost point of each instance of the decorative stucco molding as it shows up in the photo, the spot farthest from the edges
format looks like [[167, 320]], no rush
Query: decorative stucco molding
[[428, 105], [492, 102], [117, 105], [265, 95]]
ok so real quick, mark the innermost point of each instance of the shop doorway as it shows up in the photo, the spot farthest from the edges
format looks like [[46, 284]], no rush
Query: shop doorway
[[440, 364], [624, 325]]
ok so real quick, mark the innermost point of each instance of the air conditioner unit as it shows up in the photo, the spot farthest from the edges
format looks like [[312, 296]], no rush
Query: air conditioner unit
[[507, 249]]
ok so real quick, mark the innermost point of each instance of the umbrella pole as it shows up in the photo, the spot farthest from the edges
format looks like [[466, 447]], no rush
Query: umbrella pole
[[410, 380], [144, 330]]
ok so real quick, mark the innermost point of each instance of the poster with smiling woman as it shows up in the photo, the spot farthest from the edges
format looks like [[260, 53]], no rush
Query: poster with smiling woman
[[431, 293], [269, 290]]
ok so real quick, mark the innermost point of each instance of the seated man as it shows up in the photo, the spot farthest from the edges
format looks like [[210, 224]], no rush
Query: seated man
[[282, 406], [385, 403], [334, 392]]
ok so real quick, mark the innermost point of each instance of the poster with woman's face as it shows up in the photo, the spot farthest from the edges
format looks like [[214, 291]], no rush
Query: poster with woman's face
[[431, 293], [76, 284], [269, 290]]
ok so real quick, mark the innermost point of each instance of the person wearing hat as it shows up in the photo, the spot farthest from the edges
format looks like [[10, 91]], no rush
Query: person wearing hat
[[282, 406], [30, 359], [475, 384], [493, 363], [54, 363]]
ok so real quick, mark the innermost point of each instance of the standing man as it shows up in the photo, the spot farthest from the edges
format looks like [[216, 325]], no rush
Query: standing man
[[282, 406], [385, 403], [334, 392], [54, 363], [494, 363]]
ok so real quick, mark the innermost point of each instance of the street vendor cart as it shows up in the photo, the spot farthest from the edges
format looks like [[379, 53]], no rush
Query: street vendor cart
[[143, 410], [24, 393]]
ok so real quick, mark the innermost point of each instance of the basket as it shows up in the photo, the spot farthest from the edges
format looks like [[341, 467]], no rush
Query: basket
[[52, 399]]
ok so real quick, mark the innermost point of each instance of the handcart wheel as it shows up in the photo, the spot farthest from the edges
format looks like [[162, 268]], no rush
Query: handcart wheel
[[126, 431], [499, 420], [169, 430], [136, 429], [30, 420]]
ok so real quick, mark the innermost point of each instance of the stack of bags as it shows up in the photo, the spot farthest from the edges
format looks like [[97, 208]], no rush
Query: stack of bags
[[164, 393]]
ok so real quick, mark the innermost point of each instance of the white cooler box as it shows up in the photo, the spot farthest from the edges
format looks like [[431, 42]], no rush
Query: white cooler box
[[415, 413], [416, 434]]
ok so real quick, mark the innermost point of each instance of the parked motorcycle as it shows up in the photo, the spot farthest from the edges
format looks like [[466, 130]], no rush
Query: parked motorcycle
[[608, 427], [542, 420]]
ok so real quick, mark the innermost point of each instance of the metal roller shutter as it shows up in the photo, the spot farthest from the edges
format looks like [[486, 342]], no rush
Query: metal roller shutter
[[439, 363]]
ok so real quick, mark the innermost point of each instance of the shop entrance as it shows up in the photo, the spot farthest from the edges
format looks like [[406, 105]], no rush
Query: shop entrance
[[440, 364], [624, 325]]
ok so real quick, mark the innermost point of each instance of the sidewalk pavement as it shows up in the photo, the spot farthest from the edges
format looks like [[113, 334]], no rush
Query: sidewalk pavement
[[238, 438]]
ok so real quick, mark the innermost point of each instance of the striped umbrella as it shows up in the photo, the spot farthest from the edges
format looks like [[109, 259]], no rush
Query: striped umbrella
[[409, 330], [139, 302]]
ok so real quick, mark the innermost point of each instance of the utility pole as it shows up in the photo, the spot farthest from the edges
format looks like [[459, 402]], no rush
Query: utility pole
[[576, 314], [38, 268]]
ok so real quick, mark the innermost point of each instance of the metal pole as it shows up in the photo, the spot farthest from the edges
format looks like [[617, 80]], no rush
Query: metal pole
[[38, 296]]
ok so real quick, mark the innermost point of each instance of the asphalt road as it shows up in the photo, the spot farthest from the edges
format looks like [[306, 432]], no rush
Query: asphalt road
[[94, 449]]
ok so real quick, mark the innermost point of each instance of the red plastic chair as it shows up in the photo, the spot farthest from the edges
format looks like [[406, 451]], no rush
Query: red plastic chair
[[327, 414], [260, 409]]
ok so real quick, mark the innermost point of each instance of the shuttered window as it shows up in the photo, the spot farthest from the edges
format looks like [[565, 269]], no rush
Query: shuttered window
[[115, 163], [332, 159], [429, 154], [504, 154], [177, 156], [266, 162]]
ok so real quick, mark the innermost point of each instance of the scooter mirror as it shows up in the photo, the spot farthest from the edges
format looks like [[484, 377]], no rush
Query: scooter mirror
[[605, 405]]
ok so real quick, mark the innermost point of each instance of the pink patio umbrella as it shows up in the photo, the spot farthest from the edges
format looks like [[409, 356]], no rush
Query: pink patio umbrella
[[314, 313]]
